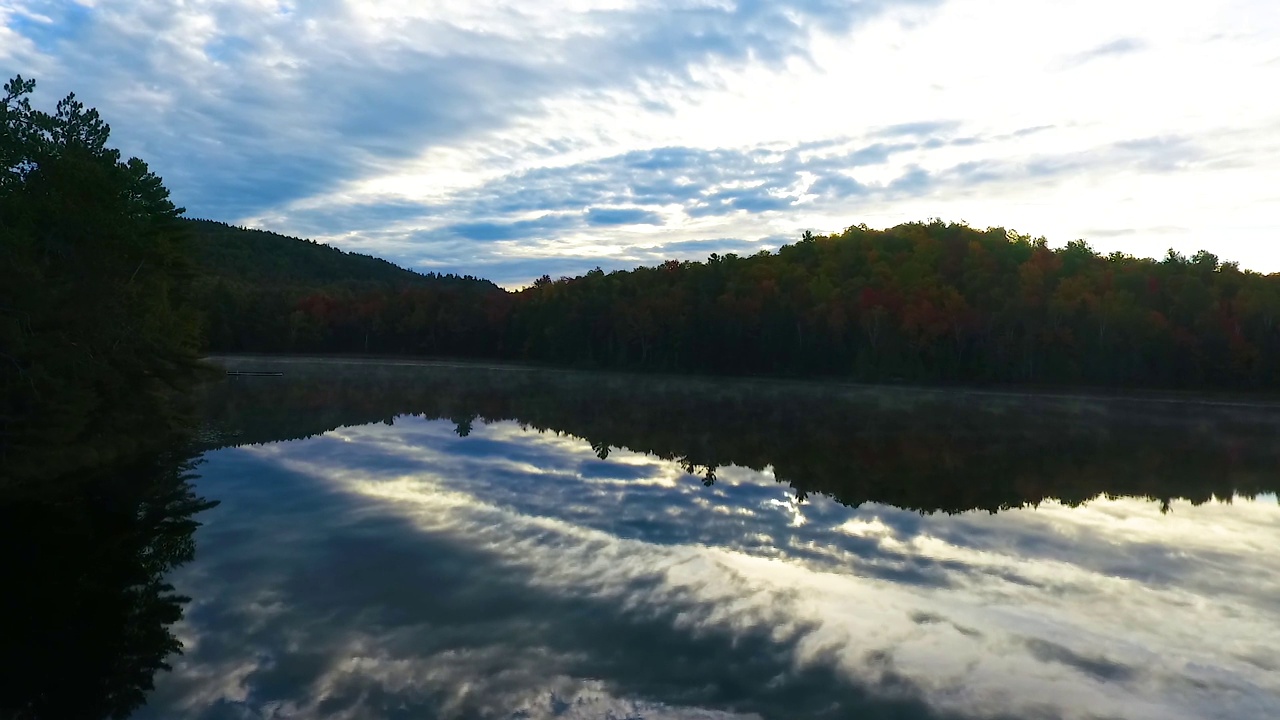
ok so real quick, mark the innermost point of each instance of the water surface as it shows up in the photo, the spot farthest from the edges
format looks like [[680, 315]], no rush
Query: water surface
[[440, 542]]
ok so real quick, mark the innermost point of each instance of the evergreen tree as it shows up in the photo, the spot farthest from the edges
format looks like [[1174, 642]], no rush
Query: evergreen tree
[[94, 339]]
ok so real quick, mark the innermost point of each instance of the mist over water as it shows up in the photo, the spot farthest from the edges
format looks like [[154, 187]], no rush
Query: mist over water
[[434, 541]]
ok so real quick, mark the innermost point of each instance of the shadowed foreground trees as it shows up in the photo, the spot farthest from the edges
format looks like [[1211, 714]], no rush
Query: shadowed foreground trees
[[97, 353], [95, 340]]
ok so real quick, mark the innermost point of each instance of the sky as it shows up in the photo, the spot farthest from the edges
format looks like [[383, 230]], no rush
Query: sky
[[512, 139]]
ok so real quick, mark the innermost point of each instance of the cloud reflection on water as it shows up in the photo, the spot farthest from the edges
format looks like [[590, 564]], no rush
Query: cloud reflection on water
[[514, 574]]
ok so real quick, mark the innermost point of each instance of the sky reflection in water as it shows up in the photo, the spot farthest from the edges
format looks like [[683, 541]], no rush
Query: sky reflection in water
[[405, 572]]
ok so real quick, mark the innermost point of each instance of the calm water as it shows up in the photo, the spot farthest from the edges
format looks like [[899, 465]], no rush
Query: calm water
[[435, 542]]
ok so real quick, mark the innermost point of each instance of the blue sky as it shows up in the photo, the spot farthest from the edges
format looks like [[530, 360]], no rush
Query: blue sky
[[511, 139]]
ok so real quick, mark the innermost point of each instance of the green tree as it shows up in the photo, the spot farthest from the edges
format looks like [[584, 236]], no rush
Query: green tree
[[95, 339]]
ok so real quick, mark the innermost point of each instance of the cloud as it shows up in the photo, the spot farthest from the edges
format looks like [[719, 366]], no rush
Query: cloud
[[700, 249], [708, 182], [698, 184], [243, 106], [1117, 47], [1098, 667], [622, 216], [1121, 232], [411, 130], [487, 231], [924, 128], [338, 218]]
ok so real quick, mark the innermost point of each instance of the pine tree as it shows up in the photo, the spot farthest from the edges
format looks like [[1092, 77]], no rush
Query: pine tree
[[95, 342]]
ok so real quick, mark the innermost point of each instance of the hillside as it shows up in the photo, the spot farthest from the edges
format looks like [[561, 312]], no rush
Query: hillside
[[257, 290], [922, 302], [258, 257]]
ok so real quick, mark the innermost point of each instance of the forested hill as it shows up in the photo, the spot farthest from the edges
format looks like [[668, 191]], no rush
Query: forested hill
[[920, 302], [261, 291], [228, 252], [924, 302]]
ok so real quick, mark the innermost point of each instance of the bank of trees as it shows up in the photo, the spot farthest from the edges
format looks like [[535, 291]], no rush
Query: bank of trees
[[921, 302], [925, 302], [437, 320]]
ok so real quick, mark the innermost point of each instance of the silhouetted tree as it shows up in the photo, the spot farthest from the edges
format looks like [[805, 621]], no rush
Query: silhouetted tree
[[94, 335]]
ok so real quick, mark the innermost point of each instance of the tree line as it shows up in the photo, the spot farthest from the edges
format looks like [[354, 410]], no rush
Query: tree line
[[923, 302], [920, 302], [265, 292]]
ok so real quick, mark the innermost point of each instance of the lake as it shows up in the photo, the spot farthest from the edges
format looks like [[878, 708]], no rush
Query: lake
[[400, 540]]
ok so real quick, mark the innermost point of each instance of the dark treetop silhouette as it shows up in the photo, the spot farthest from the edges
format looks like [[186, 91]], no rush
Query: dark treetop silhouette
[[95, 339]]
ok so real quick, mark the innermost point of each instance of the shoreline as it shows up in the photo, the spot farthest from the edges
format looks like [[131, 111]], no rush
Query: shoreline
[[1208, 398]]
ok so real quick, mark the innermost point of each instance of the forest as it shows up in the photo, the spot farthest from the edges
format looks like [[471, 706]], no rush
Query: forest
[[100, 350], [260, 291], [926, 302], [922, 302]]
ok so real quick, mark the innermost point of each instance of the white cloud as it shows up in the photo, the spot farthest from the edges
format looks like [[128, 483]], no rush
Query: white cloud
[[269, 113]]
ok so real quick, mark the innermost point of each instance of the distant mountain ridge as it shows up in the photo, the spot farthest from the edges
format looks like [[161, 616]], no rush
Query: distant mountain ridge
[[258, 257], [260, 291]]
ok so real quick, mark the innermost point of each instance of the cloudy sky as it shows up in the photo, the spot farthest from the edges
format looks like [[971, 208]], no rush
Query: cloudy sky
[[511, 139]]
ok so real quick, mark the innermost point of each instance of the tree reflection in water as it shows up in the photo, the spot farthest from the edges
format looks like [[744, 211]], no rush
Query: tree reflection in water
[[88, 614], [926, 450]]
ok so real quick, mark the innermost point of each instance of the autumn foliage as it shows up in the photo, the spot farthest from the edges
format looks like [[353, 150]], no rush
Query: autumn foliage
[[920, 302]]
